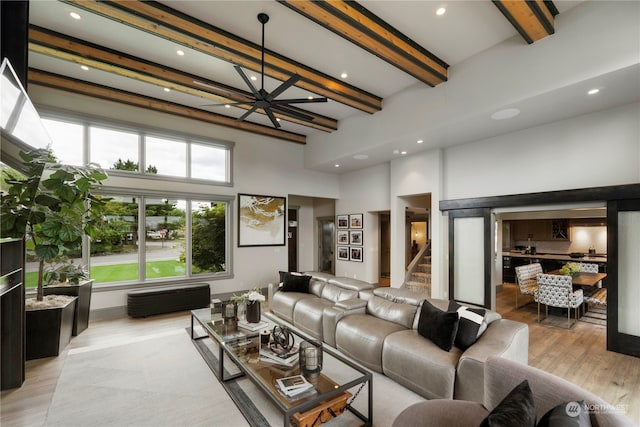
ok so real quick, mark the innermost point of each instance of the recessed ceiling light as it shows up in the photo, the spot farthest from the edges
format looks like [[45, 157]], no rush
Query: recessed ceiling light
[[441, 11], [507, 113], [84, 67], [277, 119], [74, 15], [309, 97], [336, 165], [420, 141], [227, 106], [166, 89], [254, 78], [344, 75], [403, 152], [180, 52], [593, 91], [361, 157]]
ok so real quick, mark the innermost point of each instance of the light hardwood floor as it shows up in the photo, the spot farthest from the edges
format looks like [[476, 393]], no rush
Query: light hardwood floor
[[578, 355]]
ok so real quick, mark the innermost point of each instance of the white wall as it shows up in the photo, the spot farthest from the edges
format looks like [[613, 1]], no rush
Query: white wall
[[592, 150], [262, 165], [366, 192]]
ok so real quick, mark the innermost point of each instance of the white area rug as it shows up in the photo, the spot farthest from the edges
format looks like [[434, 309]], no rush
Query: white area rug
[[162, 380]]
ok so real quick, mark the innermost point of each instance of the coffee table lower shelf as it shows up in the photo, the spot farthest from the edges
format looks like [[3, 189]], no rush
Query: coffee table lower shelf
[[324, 412]]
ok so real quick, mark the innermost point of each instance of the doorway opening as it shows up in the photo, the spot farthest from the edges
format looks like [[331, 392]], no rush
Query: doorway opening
[[384, 219], [326, 233]]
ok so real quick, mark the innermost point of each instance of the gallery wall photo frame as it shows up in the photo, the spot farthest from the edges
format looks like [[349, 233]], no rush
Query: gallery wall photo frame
[[343, 253], [343, 221], [342, 237], [355, 221], [261, 220], [355, 237], [355, 253]]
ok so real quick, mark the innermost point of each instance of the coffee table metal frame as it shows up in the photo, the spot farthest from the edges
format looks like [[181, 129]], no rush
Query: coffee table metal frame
[[225, 343]]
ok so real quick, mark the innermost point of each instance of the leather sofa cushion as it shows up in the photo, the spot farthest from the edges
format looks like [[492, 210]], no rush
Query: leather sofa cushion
[[361, 337], [405, 296], [352, 284], [283, 303], [419, 365], [335, 293], [402, 314], [307, 315]]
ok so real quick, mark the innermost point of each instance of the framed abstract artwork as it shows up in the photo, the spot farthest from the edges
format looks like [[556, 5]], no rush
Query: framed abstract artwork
[[261, 220]]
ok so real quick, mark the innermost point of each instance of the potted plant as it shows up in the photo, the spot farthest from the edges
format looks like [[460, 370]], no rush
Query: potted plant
[[63, 277], [251, 300], [53, 207]]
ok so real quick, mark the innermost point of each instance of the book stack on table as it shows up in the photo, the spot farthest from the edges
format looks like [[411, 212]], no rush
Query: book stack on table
[[286, 358], [295, 387]]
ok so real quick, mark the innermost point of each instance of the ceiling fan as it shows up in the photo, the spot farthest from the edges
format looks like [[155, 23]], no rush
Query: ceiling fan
[[267, 101]]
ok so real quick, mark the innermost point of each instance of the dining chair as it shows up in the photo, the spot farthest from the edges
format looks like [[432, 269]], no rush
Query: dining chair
[[557, 291], [590, 268], [526, 277], [597, 296]]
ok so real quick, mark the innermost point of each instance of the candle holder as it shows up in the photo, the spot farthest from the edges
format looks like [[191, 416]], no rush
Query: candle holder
[[230, 314], [310, 358]]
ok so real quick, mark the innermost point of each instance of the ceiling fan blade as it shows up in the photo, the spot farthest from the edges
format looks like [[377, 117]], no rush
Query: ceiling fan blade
[[232, 104], [269, 113], [246, 114], [297, 101], [284, 86], [291, 112], [248, 82]]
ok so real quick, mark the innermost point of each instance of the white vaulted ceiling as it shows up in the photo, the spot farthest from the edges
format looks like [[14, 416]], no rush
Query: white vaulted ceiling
[[490, 67]]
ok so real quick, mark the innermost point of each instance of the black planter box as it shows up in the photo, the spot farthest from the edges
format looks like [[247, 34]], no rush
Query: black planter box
[[83, 306], [49, 330]]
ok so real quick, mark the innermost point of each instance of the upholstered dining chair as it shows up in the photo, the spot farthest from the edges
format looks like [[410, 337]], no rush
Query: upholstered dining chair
[[526, 277], [557, 291], [590, 268]]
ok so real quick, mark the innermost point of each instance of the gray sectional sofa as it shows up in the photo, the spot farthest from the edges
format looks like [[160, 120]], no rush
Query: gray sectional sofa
[[378, 328]]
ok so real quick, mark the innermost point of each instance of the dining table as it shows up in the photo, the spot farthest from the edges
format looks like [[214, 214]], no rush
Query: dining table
[[582, 278]]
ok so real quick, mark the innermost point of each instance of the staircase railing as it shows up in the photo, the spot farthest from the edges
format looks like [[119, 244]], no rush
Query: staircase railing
[[414, 265]]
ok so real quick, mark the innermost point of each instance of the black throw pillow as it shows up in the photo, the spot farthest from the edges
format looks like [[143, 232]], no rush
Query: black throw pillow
[[438, 326], [295, 283], [516, 409], [469, 325], [567, 414]]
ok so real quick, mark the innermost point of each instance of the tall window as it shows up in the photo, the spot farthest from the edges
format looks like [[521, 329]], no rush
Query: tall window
[[148, 238], [165, 228], [114, 149]]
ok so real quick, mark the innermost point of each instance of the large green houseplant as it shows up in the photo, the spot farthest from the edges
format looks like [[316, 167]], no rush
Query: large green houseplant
[[52, 206]]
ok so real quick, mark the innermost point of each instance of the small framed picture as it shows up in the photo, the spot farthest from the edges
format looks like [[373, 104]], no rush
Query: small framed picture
[[355, 221], [343, 253], [343, 237], [343, 221], [355, 254], [355, 237]]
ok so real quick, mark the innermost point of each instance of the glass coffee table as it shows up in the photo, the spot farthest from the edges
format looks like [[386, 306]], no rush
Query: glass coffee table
[[332, 396]]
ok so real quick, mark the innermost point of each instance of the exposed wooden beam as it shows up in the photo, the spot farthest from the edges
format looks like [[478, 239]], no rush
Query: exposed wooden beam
[[67, 48], [534, 19], [355, 23], [43, 78], [170, 24]]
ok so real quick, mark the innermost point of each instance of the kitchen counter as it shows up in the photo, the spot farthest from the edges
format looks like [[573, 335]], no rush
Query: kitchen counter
[[559, 257]]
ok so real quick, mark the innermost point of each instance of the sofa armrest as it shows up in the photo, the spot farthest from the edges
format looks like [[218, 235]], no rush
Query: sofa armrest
[[351, 304], [442, 412], [273, 288], [332, 315], [503, 338]]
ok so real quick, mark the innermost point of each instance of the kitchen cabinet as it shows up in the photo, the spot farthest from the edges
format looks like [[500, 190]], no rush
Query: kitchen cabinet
[[540, 230]]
